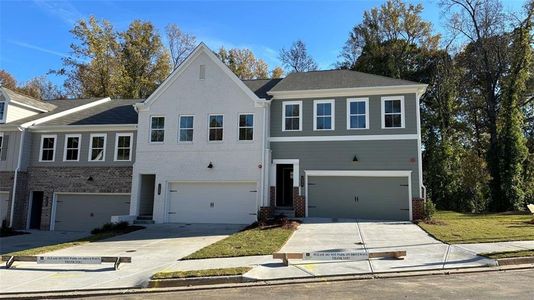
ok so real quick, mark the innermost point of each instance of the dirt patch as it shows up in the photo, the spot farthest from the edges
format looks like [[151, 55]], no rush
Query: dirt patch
[[277, 222]]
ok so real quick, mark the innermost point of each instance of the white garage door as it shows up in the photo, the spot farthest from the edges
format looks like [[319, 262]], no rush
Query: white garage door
[[4, 206], [84, 212], [223, 203]]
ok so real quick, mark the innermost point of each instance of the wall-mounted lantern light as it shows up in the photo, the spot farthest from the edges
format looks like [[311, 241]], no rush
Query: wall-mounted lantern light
[[210, 165], [90, 178], [355, 158], [159, 188]]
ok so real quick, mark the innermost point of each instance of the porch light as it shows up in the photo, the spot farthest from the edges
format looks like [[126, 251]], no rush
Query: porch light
[[90, 178], [210, 166], [355, 158]]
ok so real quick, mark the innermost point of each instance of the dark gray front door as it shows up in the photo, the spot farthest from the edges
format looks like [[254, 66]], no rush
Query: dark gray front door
[[284, 185], [371, 198]]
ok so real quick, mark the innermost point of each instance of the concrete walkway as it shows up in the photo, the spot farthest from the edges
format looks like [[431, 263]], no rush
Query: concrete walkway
[[37, 238], [497, 247], [152, 249]]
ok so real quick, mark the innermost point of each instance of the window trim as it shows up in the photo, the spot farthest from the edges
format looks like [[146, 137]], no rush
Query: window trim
[[402, 112], [105, 136], [116, 152], [332, 102], [44, 136], [4, 116], [67, 136], [253, 127], [352, 100], [209, 127], [286, 103], [180, 128], [150, 131]]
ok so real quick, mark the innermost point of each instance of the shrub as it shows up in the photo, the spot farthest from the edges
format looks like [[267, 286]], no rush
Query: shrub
[[110, 227], [429, 210]]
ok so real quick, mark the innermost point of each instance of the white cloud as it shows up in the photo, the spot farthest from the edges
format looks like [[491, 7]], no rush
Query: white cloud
[[64, 10], [35, 47]]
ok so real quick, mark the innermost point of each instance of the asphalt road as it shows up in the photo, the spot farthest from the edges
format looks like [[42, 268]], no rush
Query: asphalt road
[[491, 285]]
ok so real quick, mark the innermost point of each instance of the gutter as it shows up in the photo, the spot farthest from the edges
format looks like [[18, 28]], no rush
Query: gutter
[[15, 178]]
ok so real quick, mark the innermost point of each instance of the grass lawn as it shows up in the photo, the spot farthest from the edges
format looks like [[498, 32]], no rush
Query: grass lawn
[[85, 240], [455, 228], [509, 254], [202, 273], [248, 242]]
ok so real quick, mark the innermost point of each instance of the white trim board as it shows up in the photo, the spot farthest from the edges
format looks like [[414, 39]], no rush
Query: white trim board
[[332, 138], [350, 92], [84, 128]]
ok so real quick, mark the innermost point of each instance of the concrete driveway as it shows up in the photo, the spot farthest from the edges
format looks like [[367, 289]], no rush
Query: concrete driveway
[[151, 249], [38, 238], [322, 234]]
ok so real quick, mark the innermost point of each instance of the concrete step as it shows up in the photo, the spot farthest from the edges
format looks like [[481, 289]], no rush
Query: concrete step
[[141, 222], [144, 217], [288, 212]]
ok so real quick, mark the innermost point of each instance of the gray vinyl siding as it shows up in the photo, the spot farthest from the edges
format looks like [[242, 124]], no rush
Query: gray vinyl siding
[[372, 155], [9, 158], [375, 117], [84, 151]]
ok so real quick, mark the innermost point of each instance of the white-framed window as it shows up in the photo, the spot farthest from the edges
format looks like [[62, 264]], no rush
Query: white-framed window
[[358, 113], [185, 128], [123, 146], [246, 127], [393, 112], [71, 151], [97, 147], [324, 114], [2, 111], [215, 127], [292, 116], [48, 148], [157, 129]]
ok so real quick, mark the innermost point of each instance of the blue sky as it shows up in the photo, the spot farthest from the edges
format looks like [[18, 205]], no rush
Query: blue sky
[[34, 35]]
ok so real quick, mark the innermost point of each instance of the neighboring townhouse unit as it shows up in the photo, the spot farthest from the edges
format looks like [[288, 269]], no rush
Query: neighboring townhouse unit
[[72, 164]]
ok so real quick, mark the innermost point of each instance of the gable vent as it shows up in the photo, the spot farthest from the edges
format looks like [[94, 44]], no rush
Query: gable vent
[[202, 73]]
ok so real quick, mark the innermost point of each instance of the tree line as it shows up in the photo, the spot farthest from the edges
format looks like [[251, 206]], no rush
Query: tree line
[[477, 115]]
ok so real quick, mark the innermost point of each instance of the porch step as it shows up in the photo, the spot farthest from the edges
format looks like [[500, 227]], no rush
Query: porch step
[[143, 222], [144, 217], [288, 212]]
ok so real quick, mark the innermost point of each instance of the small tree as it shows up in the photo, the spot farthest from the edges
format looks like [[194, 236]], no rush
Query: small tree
[[180, 44], [297, 59]]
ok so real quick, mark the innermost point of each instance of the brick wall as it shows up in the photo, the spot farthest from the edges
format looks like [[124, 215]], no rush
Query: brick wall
[[76, 180], [418, 208], [265, 213], [299, 203], [6, 185], [272, 196]]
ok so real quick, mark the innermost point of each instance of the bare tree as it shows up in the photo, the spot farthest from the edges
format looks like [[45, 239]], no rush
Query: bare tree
[[297, 59], [180, 44]]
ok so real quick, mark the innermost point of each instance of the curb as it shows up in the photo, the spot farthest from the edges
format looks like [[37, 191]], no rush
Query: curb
[[259, 283], [180, 282], [515, 261]]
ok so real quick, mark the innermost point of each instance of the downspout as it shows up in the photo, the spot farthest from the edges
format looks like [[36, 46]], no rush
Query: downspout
[[263, 156], [15, 178]]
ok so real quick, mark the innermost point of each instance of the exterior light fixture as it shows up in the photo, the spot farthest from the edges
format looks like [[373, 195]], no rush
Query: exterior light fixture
[[90, 178], [355, 158], [210, 165]]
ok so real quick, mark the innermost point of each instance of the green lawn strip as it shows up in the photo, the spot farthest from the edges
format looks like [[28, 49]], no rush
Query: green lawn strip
[[455, 228], [85, 240], [202, 273], [509, 254], [249, 242]]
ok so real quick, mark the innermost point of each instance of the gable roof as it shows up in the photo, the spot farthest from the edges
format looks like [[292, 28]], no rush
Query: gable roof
[[28, 101], [336, 79], [260, 87]]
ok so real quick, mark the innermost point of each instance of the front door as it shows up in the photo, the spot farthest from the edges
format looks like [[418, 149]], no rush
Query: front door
[[37, 208], [284, 185]]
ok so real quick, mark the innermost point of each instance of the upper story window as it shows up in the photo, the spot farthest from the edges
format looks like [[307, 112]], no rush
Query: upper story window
[[48, 148], [246, 127], [215, 128], [123, 147], [358, 113], [393, 112], [291, 116], [157, 129], [323, 114], [97, 147], [72, 147], [2, 111], [185, 129]]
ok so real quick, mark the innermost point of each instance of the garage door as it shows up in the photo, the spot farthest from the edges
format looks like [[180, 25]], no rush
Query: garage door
[[81, 212], [224, 203], [4, 206], [372, 198]]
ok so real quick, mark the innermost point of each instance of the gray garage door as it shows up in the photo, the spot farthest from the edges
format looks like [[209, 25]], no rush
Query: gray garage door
[[81, 212], [371, 198]]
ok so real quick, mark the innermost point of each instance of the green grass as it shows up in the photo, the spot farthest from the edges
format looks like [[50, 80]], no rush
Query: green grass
[[249, 242], [202, 273], [509, 254], [455, 228], [85, 240]]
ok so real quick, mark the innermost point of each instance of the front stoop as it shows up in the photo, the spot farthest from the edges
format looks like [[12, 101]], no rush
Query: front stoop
[[143, 220]]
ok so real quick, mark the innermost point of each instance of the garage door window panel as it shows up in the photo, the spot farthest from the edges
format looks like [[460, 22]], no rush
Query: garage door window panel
[[393, 112], [292, 118], [185, 130], [97, 147], [48, 148], [123, 147], [246, 127], [216, 123], [323, 115], [157, 129]]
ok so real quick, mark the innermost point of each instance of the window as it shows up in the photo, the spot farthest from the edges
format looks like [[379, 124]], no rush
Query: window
[[246, 127], [2, 111], [72, 147], [48, 148], [323, 114], [393, 112], [291, 118], [1, 145], [185, 129], [358, 113], [157, 129], [97, 147], [215, 128], [123, 147]]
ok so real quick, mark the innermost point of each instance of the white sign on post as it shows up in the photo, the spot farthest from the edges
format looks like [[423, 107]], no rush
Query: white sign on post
[[77, 260], [359, 255]]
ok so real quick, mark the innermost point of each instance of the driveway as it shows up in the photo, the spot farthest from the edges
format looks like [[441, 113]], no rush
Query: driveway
[[322, 234], [37, 238], [151, 249]]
